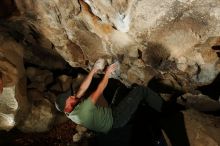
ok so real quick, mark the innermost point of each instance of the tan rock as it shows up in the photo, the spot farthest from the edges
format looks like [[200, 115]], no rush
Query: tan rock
[[77, 81], [14, 104], [65, 82], [202, 129], [38, 75], [40, 118], [8, 108], [199, 102]]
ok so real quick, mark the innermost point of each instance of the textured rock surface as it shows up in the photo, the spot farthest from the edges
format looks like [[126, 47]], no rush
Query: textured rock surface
[[40, 117], [13, 101], [8, 108], [199, 102], [175, 41], [39, 78], [202, 129], [149, 37]]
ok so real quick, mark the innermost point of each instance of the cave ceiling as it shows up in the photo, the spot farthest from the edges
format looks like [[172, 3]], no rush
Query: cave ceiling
[[149, 38]]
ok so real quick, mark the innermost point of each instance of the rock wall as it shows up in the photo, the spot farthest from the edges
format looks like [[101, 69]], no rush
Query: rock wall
[[175, 41], [13, 101], [148, 37], [201, 129]]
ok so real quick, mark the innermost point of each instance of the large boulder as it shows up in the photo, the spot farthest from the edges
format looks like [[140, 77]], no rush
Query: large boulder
[[202, 129], [148, 37], [13, 101], [192, 128], [40, 117]]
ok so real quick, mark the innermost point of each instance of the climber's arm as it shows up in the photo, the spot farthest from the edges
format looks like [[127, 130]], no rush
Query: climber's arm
[[85, 84], [102, 85]]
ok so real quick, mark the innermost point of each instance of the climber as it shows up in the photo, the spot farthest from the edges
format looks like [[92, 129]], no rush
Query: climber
[[94, 112]]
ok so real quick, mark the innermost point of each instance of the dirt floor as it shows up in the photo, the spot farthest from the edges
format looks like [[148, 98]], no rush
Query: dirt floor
[[60, 135]]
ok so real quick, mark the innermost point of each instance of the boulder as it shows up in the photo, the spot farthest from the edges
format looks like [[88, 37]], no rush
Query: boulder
[[40, 117], [13, 101]]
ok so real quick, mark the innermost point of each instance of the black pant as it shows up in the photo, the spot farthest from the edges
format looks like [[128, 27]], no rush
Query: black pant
[[126, 108]]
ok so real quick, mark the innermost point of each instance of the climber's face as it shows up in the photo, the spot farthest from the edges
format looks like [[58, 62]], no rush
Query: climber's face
[[70, 103]]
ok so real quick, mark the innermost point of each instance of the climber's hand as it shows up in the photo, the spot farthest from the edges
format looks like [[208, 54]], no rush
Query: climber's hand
[[99, 65], [110, 69]]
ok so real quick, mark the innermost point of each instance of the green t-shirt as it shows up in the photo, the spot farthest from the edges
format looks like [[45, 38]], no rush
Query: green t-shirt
[[92, 116]]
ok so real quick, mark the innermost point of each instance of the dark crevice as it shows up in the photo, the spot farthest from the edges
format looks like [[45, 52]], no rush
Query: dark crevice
[[198, 71], [218, 54], [34, 33], [216, 47], [214, 113], [114, 27], [212, 90], [67, 70], [159, 87], [7, 9], [139, 54]]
